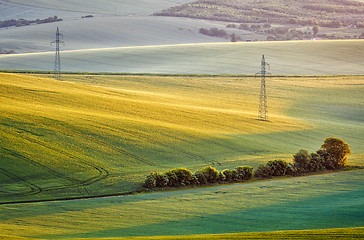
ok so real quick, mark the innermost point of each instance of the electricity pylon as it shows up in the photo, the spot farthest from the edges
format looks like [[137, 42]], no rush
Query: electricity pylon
[[263, 108], [57, 61]]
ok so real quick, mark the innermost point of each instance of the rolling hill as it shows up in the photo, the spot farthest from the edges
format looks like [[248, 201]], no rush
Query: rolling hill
[[97, 135], [124, 7], [111, 24], [315, 202], [106, 32], [91, 136], [285, 58], [67, 136]]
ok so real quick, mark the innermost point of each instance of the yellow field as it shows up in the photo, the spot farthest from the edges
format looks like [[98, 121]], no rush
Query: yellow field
[[95, 135], [78, 136]]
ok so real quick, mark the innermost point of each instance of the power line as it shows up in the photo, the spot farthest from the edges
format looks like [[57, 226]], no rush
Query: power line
[[57, 61], [263, 108]]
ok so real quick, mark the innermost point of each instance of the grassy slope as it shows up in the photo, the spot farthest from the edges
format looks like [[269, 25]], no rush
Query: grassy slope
[[115, 24], [315, 202], [106, 31], [105, 138], [294, 58], [106, 7], [279, 11], [322, 234], [93, 140], [120, 124]]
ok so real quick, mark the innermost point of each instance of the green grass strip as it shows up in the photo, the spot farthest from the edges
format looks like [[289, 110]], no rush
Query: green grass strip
[[336, 233]]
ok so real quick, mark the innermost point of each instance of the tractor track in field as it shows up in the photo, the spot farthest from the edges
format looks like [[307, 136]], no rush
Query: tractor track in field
[[101, 142], [33, 189], [74, 183], [148, 138], [103, 173], [37, 164]]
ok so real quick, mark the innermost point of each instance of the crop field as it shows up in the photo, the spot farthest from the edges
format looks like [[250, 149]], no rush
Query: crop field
[[286, 58], [144, 92], [97, 135], [316, 202], [92, 135]]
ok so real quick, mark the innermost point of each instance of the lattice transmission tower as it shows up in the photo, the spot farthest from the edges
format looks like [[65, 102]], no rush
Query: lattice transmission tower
[[263, 108], [57, 62]]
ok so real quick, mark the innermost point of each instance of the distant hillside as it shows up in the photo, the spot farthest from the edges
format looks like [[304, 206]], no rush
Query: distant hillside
[[338, 14], [286, 58], [305, 12]]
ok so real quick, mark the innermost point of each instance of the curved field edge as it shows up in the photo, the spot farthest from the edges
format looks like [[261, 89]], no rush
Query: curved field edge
[[322, 234]]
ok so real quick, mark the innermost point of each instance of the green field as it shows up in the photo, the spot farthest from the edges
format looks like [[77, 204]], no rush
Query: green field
[[285, 58], [99, 135], [322, 234], [92, 135], [315, 202]]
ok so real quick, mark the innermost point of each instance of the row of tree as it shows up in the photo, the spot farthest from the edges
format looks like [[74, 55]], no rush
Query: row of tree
[[25, 22], [332, 155], [180, 177]]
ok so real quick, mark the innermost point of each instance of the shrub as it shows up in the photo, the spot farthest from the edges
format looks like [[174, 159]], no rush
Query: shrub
[[172, 179], [301, 161], [156, 179], [214, 32], [262, 172], [222, 177], [278, 168], [201, 179], [184, 177], [316, 163], [162, 180], [210, 173], [150, 181], [230, 175], [328, 161], [244, 173]]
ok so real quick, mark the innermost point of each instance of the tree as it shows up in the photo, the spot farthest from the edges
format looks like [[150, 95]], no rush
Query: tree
[[210, 173], [262, 171], [233, 38], [229, 175], [278, 168], [317, 162], [338, 149], [150, 181], [244, 173], [156, 179], [184, 176], [315, 30], [302, 161]]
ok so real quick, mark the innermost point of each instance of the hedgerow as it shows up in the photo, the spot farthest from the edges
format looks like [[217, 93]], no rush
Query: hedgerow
[[332, 155], [180, 177]]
